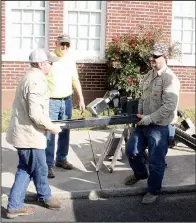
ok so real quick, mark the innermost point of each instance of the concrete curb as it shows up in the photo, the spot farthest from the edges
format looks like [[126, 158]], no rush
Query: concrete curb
[[108, 193]]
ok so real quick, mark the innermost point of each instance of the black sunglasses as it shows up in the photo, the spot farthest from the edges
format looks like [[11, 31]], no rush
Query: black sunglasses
[[65, 44], [155, 56]]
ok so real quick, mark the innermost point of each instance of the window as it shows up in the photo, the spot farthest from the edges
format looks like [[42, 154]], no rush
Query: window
[[26, 27], [85, 23], [183, 29]]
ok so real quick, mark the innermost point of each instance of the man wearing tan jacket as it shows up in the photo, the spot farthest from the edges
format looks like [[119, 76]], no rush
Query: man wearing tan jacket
[[27, 133]]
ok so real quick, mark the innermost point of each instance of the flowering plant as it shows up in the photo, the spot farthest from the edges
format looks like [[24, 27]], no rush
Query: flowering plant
[[128, 59]]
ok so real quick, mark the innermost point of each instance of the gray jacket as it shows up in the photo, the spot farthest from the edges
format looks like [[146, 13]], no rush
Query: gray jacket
[[160, 96], [30, 112]]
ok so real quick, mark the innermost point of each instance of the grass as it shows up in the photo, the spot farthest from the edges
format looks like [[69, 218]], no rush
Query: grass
[[6, 115], [190, 113], [5, 119]]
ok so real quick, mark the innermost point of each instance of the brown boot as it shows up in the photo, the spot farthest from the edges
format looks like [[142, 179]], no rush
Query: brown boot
[[131, 180], [64, 164], [53, 203], [21, 212], [51, 173]]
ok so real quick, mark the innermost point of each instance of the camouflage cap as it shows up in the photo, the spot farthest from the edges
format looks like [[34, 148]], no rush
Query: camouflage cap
[[159, 49], [64, 38]]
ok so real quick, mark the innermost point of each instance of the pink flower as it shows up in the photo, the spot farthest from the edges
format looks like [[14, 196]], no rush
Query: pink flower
[[132, 39], [130, 80], [115, 39], [149, 33], [133, 45], [148, 37]]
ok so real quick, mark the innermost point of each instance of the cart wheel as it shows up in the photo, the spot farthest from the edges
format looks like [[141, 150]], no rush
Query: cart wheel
[[110, 170]]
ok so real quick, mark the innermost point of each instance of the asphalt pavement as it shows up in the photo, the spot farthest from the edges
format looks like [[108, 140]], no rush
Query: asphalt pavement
[[168, 208], [106, 196]]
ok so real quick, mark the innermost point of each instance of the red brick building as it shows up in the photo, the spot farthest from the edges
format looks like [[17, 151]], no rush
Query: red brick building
[[26, 25]]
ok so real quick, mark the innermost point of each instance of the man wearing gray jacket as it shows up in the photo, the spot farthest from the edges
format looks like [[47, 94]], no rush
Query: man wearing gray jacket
[[158, 109], [27, 133]]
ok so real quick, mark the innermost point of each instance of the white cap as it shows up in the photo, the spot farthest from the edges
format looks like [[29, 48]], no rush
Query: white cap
[[40, 55]]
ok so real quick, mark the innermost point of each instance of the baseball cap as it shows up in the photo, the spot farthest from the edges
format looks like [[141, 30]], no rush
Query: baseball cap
[[159, 49], [64, 38], [40, 55]]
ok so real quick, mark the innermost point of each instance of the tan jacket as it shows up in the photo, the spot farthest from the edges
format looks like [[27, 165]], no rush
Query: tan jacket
[[160, 96], [30, 112]]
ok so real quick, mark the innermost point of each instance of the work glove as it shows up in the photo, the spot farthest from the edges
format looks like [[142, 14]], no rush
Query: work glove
[[146, 120]]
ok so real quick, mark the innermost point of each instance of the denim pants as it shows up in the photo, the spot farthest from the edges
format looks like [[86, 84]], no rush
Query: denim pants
[[156, 139], [171, 132], [32, 165], [60, 109]]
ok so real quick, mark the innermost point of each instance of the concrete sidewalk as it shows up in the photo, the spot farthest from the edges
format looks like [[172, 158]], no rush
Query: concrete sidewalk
[[85, 182]]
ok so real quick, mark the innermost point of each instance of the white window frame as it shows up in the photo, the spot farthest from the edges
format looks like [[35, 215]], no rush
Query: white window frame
[[20, 55], [85, 56], [185, 60]]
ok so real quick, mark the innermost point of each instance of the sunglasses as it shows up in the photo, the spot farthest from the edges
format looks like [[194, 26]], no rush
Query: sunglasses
[[155, 56], [65, 44], [51, 63]]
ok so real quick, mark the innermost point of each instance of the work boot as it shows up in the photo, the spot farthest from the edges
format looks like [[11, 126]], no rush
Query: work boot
[[64, 164], [131, 180], [51, 173], [21, 212], [149, 198], [53, 203]]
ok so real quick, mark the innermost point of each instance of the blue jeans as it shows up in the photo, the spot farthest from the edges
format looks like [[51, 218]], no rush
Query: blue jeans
[[32, 165], [59, 110], [156, 139], [171, 131]]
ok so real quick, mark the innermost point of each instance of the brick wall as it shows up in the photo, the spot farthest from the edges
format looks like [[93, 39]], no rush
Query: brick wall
[[121, 17], [186, 76], [55, 21], [12, 73], [125, 16], [92, 77]]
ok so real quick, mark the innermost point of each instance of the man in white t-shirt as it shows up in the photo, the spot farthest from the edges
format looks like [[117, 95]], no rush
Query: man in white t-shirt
[[61, 82]]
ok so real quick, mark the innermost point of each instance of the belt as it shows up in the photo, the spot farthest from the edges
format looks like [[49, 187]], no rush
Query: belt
[[64, 98]]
